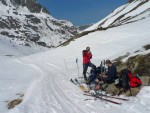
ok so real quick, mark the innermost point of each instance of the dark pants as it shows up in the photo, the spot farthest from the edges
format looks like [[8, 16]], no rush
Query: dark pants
[[105, 79], [85, 68], [109, 80], [91, 78]]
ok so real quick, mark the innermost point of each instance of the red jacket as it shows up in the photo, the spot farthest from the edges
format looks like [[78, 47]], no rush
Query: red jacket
[[134, 81], [86, 57]]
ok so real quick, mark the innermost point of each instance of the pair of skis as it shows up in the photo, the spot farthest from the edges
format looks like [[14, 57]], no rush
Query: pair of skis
[[75, 81], [101, 97]]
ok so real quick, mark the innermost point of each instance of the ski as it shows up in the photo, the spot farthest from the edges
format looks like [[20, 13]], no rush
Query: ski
[[101, 98], [110, 97], [82, 88], [76, 81], [114, 97], [91, 99], [73, 81]]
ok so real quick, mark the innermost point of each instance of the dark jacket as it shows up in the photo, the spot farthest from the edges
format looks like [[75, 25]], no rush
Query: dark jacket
[[112, 72], [86, 57]]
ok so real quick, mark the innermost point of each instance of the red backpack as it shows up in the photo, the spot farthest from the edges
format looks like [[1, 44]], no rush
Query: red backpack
[[134, 80]]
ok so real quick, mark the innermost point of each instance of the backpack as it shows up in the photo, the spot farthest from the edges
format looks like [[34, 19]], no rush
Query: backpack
[[124, 79], [100, 69], [134, 80], [94, 72]]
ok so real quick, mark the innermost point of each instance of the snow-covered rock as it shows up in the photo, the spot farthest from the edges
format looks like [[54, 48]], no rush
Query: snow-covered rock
[[133, 11]]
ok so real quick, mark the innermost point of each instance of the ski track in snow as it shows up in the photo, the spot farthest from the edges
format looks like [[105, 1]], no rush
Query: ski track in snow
[[51, 65], [60, 101], [64, 103], [47, 95]]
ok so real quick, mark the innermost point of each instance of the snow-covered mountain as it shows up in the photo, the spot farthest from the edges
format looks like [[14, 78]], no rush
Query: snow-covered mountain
[[133, 11], [28, 22]]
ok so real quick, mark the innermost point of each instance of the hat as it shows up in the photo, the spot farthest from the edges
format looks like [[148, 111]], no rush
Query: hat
[[87, 48], [108, 62]]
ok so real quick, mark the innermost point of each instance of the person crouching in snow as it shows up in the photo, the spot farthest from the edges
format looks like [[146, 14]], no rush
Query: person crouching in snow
[[109, 77], [87, 55], [111, 74]]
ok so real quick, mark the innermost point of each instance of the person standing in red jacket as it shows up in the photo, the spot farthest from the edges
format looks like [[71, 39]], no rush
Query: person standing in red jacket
[[87, 55]]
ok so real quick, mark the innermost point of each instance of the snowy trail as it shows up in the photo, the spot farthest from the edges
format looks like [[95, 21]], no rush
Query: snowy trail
[[54, 93], [49, 92]]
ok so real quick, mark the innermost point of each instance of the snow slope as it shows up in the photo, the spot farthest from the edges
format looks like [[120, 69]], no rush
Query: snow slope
[[49, 89], [10, 47], [128, 13]]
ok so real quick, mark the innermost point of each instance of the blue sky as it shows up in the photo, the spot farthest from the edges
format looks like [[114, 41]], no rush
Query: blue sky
[[81, 12]]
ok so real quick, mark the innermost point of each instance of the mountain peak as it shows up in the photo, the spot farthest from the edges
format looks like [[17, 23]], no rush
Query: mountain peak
[[29, 22], [32, 5]]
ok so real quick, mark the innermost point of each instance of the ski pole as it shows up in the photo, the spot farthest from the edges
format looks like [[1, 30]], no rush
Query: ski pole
[[101, 75], [66, 67], [77, 66], [104, 67], [105, 74]]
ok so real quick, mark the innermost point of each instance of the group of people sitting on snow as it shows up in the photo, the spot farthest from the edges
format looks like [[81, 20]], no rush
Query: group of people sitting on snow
[[100, 75]]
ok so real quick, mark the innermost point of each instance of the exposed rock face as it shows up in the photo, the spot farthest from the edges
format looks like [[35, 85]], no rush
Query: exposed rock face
[[28, 21], [140, 64], [13, 103], [32, 5], [130, 1]]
